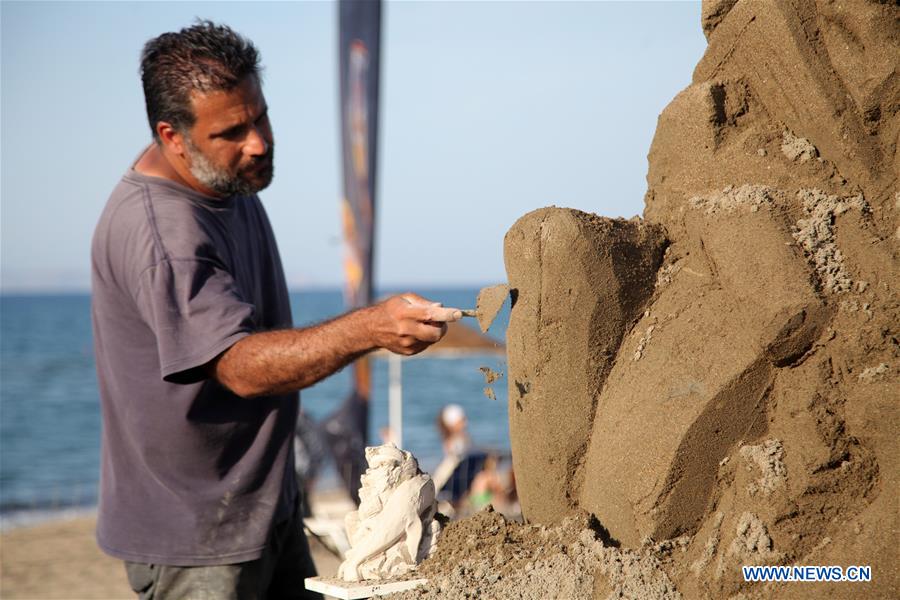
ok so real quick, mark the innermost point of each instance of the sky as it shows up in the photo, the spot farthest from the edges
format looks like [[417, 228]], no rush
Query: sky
[[489, 110]]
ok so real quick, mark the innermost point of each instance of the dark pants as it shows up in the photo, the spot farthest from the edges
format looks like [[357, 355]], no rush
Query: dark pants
[[278, 573]]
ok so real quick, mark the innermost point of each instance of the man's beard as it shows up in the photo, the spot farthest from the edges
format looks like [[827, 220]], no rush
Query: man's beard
[[246, 181]]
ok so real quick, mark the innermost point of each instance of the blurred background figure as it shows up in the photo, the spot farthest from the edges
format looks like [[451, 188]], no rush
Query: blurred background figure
[[309, 453], [469, 479], [388, 436], [491, 487], [461, 464], [452, 424]]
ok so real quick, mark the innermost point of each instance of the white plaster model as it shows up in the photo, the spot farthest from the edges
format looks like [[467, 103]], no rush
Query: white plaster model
[[394, 528]]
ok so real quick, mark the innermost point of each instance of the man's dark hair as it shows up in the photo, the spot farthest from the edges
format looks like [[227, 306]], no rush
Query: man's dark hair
[[204, 57]]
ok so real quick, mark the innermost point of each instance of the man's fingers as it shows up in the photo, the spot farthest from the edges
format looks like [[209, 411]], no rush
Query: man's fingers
[[430, 312], [434, 313], [430, 332], [416, 337], [418, 347], [417, 300], [443, 327], [446, 315], [409, 346]]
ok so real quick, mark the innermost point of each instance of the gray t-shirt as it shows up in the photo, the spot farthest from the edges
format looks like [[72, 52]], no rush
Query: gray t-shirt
[[191, 474]]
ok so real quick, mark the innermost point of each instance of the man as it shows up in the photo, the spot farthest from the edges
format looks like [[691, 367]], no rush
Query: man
[[197, 366]]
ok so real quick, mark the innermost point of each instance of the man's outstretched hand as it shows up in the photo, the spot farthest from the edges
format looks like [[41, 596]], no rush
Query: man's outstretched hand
[[281, 361], [408, 323]]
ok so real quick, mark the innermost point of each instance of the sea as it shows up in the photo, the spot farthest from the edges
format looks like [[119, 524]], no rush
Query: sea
[[50, 410]]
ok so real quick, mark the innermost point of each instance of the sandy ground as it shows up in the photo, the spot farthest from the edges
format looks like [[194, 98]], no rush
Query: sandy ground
[[60, 559]]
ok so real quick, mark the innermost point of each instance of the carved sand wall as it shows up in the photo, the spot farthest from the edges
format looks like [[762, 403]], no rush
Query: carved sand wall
[[737, 392]]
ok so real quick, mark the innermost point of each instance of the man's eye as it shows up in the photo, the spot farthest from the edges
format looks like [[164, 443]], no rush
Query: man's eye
[[232, 133]]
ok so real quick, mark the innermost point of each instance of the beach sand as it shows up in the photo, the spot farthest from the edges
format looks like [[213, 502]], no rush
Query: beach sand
[[60, 559]]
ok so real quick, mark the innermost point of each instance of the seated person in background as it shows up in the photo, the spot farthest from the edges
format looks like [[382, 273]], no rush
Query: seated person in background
[[488, 487], [451, 423]]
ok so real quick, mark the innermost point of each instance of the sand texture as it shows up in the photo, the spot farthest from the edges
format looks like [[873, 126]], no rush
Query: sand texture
[[580, 281], [60, 559], [716, 384], [486, 556]]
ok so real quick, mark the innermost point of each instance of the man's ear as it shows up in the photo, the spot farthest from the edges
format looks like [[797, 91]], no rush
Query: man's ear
[[171, 139]]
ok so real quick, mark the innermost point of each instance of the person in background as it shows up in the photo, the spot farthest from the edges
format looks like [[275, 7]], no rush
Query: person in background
[[488, 487], [451, 423]]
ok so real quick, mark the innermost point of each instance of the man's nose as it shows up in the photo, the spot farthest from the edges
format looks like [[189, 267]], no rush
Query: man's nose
[[256, 143]]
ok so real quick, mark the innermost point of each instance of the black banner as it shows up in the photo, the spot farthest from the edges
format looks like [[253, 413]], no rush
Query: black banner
[[359, 39]]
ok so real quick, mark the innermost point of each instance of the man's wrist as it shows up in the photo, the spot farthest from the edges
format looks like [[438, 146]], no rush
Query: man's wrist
[[363, 329]]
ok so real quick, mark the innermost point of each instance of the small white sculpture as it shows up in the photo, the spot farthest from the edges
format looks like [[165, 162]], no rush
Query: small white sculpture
[[394, 528]]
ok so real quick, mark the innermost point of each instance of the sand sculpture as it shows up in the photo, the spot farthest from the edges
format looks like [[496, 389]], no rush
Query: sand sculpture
[[647, 356], [573, 303], [394, 528], [715, 384]]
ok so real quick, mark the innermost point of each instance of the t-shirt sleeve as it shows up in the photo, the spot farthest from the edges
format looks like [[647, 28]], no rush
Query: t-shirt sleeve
[[196, 311]]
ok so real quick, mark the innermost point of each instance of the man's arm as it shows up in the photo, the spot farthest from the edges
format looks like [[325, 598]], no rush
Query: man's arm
[[278, 362]]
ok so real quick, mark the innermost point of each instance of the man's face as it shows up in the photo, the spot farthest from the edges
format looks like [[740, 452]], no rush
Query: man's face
[[230, 148]]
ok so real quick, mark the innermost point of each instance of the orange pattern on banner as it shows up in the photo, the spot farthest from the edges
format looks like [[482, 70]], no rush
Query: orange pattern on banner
[[357, 205], [353, 267], [363, 379]]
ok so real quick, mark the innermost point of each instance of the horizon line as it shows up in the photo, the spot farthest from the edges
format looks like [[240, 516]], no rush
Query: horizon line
[[311, 287]]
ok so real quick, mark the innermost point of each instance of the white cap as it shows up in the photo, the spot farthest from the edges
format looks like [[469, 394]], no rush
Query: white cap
[[452, 414]]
